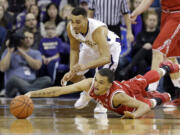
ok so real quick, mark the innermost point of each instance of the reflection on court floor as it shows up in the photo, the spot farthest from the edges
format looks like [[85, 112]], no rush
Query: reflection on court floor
[[57, 116]]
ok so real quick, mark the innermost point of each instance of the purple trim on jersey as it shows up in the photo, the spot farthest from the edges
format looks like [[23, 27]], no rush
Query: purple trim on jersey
[[108, 39], [118, 40], [112, 62], [101, 67]]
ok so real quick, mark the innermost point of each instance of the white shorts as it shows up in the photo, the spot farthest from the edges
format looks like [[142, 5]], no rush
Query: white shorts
[[88, 54]]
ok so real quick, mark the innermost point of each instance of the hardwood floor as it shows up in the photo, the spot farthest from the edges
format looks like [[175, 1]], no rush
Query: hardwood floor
[[57, 116]]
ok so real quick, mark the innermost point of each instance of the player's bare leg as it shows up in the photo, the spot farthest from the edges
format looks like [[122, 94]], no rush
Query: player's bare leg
[[157, 58]]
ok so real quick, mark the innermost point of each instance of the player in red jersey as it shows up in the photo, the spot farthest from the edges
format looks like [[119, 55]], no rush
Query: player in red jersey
[[167, 44], [127, 98]]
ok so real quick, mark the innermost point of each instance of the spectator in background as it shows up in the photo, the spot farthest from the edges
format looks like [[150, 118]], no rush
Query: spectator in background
[[8, 16], [142, 50], [3, 26], [52, 15], [20, 64], [3, 33], [35, 10], [16, 6], [65, 14], [20, 19], [84, 4], [31, 25], [4, 20], [6, 24], [50, 48], [44, 3]]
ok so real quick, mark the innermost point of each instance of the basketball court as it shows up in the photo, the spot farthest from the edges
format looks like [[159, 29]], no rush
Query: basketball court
[[57, 116]]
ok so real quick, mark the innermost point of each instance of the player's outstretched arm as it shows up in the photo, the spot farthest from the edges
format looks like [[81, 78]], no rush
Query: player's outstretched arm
[[74, 55], [124, 99], [100, 38], [74, 48], [57, 91]]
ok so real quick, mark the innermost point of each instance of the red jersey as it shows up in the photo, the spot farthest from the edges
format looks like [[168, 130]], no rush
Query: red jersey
[[172, 5], [134, 87]]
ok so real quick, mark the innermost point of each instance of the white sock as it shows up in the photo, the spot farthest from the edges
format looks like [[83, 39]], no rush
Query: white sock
[[153, 86], [163, 71], [154, 102]]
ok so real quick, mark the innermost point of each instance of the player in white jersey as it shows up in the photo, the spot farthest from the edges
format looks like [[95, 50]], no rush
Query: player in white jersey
[[100, 47]]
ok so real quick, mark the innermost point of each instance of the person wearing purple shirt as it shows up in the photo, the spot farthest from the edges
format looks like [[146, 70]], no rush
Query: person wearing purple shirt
[[50, 48]]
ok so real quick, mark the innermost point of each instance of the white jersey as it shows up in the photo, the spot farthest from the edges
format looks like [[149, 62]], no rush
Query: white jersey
[[89, 50], [87, 38]]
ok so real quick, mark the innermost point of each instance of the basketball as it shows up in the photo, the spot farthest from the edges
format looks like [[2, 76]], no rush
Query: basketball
[[21, 107]]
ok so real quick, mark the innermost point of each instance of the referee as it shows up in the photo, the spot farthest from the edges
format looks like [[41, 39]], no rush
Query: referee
[[109, 12]]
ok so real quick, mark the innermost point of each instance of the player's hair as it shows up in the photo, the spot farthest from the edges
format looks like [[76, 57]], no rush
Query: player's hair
[[79, 11], [108, 73]]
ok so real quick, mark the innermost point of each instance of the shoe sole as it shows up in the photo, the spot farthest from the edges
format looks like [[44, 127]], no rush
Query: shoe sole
[[81, 106]]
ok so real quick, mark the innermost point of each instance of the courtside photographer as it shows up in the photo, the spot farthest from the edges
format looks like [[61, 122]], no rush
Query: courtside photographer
[[19, 63]]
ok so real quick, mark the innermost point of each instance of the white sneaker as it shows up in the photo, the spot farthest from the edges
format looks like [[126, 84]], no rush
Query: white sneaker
[[100, 109], [82, 101]]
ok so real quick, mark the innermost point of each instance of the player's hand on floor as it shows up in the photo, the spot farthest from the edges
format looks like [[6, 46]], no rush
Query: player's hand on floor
[[128, 115]]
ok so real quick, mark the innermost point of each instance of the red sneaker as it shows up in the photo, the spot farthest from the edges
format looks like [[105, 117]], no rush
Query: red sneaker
[[165, 97], [172, 66], [173, 103]]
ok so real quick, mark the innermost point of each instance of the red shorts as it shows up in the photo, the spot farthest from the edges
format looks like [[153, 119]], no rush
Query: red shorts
[[168, 40]]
